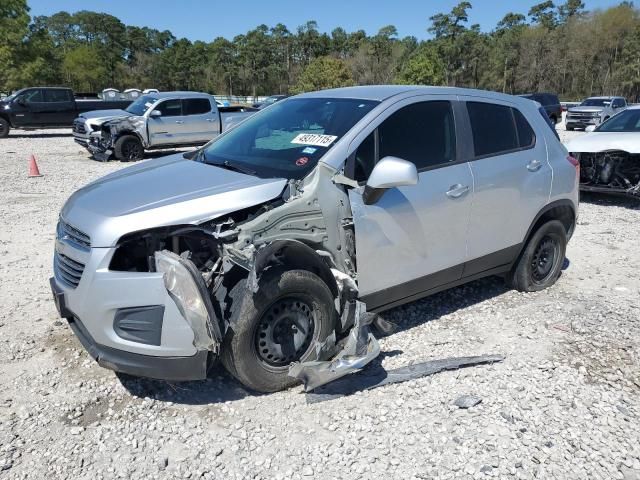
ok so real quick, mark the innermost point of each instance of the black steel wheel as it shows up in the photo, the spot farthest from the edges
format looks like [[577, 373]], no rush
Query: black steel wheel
[[278, 324], [544, 258], [540, 263], [285, 331]]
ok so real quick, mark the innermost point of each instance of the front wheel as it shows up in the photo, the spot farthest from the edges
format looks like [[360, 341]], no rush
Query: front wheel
[[275, 326], [4, 128], [541, 262], [129, 148]]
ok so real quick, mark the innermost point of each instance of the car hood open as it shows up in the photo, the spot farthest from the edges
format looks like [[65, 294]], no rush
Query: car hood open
[[162, 192], [605, 141]]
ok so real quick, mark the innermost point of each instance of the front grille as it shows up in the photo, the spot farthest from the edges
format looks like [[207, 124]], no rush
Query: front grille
[[68, 271], [580, 116], [67, 232], [78, 127]]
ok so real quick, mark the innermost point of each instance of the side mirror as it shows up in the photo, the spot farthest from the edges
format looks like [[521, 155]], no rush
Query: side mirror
[[590, 128], [155, 113], [20, 101], [388, 173]]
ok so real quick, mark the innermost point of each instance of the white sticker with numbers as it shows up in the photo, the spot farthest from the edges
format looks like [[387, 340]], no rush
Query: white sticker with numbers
[[314, 139]]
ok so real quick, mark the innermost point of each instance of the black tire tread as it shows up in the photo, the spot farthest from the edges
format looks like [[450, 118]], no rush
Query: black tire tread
[[117, 148]]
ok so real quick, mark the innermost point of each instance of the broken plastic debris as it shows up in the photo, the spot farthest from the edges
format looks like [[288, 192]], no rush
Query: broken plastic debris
[[378, 377], [467, 401], [361, 347]]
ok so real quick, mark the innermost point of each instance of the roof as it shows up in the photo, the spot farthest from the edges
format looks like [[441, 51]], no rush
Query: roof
[[177, 94], [604, 97], [384, 92]]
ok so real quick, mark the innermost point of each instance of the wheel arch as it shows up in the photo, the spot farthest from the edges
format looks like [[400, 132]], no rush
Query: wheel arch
[[297, 255], [562, 210]]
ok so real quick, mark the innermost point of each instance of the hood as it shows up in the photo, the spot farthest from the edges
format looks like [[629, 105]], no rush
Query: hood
[[586, 109], [162, 192], [604, 141], [104, 114]]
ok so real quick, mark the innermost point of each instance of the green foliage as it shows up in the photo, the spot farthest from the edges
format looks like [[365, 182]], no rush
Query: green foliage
[[322, 73], [558, 47]]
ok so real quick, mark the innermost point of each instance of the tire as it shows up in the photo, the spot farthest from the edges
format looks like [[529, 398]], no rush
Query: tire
[[554, 119], [5, 128], [251, 352], [568, 128], [129, 148], [540, 264]]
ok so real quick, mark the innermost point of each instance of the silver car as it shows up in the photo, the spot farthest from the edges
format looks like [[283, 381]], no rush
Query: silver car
[[264, 246]]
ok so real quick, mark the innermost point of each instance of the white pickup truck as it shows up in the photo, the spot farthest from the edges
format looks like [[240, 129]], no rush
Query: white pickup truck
[[155, 121]]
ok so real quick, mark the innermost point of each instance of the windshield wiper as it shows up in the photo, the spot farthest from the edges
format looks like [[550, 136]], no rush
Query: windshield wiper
[[233, 167]]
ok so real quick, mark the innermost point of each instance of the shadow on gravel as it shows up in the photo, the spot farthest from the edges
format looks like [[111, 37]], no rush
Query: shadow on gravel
[[444, 303], [219, 387], [610, 199]]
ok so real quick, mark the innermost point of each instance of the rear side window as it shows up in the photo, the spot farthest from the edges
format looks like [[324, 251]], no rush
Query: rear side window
[[170, 108], [499, 129], [526, 137], [422, 133], [494, 130], [196, 106], [55, 95]]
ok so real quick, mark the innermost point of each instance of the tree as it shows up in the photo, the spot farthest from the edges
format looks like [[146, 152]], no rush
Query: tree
[[322, 73], [424, 67], [84, 68], [544, 14], [14, 26]]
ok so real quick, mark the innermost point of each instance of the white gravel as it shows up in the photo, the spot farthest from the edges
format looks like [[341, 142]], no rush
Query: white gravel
[[564, 403]]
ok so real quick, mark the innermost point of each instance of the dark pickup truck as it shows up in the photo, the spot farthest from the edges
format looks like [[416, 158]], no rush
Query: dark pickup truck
[[47, 107]]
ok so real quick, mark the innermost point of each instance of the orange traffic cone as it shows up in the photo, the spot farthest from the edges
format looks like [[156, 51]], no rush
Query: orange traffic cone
[[33, 167]]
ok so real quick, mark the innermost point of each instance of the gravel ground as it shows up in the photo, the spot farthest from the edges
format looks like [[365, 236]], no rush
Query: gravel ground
[[564, 403]]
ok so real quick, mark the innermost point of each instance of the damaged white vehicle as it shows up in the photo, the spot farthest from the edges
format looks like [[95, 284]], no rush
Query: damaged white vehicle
[[266, 247], [609, 155]]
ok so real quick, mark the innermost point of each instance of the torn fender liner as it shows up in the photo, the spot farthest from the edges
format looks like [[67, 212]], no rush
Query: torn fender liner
[[377, 377], [186, 287], [360, 348]]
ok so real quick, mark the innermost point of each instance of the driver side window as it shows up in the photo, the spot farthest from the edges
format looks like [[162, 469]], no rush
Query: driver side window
[[365, 158], [170, 108]]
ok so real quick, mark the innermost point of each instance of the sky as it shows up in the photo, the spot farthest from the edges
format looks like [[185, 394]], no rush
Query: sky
[[207, 19]]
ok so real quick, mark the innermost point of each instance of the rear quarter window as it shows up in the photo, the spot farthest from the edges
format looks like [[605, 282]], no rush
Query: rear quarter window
[[493, 127]]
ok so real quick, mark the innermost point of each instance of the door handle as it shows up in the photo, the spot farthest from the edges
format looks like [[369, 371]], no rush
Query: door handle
[[457, 190], [534, 165], [179, 122], [210, 120]]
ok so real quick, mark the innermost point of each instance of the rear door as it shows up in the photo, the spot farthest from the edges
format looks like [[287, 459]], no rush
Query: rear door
[[202, 121], [512, 181], [413, 238], [168, 128], [59, 107]]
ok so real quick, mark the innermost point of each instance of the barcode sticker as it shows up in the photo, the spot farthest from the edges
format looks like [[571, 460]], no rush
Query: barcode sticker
[[314, 139]]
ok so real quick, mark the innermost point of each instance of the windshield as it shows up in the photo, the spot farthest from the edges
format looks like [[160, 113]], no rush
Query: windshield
[[626, 121], [288, 139], [596, 102], [141, 105]]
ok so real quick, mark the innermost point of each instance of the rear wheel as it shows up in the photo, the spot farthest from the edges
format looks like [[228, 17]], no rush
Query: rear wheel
[[277, 325], [128, 148], [554, 119], [541, 261], [4, 128]]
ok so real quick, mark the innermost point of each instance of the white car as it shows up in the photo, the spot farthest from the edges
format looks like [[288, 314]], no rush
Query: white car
[[609, 155]]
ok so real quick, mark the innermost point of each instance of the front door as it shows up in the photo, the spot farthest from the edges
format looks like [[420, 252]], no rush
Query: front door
[[512, 181], [168, 128], [413, 238]]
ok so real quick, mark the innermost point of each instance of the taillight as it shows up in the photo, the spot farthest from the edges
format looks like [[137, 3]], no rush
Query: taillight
[[573, 161]]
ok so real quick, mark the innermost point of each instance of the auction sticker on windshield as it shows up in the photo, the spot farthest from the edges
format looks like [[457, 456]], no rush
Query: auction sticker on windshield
[[314, 139]]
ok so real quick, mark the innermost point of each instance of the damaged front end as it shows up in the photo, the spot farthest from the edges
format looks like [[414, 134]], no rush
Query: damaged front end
[[101, 143], [610, 172]]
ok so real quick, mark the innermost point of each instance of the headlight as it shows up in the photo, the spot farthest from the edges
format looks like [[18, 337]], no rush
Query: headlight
[[7, 107], [186, 286], [596, 114]]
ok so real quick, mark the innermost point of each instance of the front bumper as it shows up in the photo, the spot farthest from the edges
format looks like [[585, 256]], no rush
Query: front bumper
[[92, 308], [581, 122]]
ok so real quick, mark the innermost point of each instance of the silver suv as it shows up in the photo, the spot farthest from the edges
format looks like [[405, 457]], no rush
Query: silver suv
[[257, 248]]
